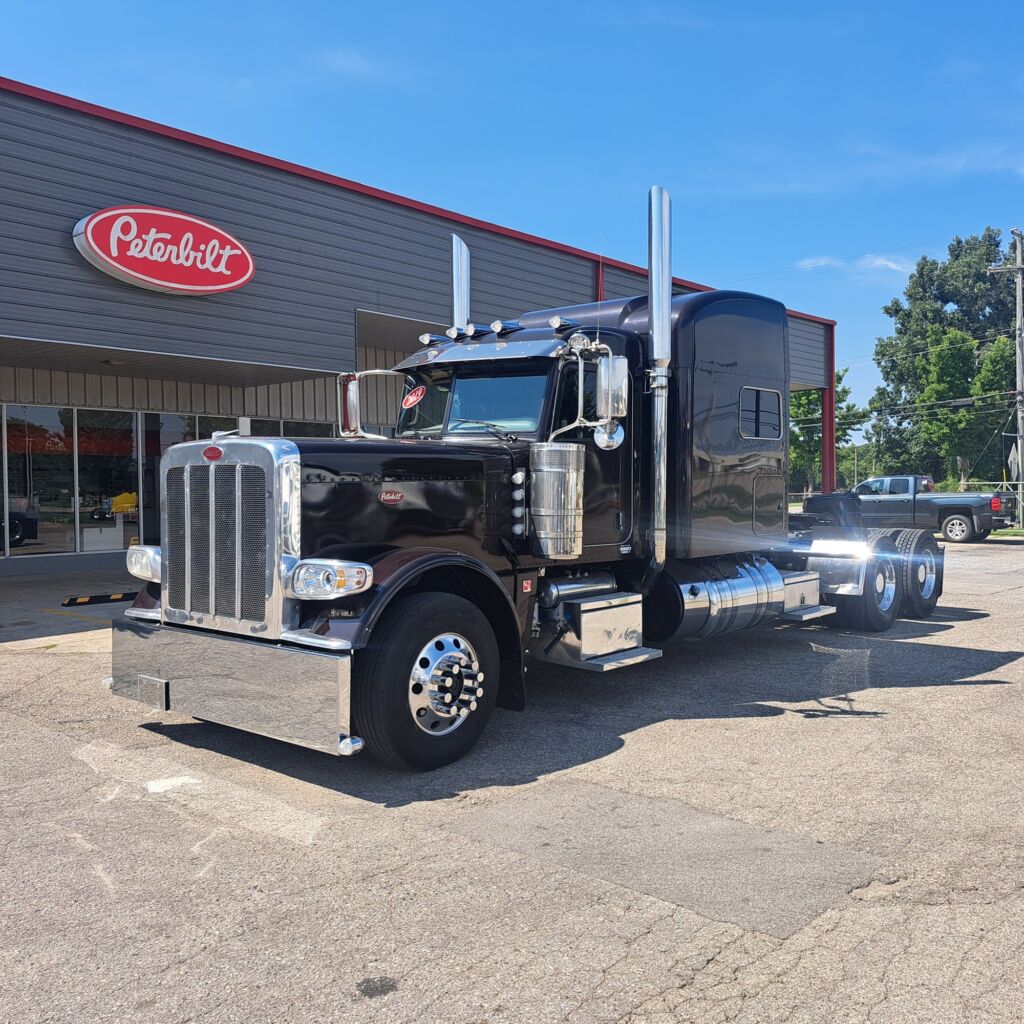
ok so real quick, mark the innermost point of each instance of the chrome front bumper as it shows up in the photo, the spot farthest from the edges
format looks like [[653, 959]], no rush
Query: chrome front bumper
[[274, 690]]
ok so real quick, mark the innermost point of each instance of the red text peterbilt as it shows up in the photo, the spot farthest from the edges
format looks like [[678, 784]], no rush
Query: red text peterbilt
[[580, 486]]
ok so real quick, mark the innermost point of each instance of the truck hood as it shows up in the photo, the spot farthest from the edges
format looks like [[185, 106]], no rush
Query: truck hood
[[362, 496]]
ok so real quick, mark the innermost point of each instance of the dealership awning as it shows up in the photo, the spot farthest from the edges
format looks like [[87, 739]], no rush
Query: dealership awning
[[27, 354]]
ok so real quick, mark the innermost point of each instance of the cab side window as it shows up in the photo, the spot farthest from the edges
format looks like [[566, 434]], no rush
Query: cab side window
[[899, 485], [872, 486], [760, 414]]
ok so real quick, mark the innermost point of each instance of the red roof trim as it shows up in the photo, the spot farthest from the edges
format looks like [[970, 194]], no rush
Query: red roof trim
[[70, 103]]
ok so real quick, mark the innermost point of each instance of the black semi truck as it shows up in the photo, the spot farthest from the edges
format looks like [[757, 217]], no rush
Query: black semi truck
[[580, 486]]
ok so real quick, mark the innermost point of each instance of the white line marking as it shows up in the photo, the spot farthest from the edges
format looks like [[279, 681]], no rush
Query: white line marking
[[163, 779], [163, 785]]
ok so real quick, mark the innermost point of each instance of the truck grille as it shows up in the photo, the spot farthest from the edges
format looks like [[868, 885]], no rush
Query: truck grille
[[215, 548]]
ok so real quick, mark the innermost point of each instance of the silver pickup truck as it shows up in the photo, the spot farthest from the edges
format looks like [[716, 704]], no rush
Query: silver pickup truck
[[891, 501]]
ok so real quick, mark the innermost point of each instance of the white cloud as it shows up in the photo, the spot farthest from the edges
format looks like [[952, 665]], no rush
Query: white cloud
[[816, 262], [895, 263], [351, 62], [858, 266]]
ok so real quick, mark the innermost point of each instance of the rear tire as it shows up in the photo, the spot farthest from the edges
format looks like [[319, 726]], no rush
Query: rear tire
[[958, 529], [398, 701], [877, 608], [17, 533], [921, 564]]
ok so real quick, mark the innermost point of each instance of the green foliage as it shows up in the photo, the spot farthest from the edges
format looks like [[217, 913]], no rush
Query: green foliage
[[950, 342], [805, 432]]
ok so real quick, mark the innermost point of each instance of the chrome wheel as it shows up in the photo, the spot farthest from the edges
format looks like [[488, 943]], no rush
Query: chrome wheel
[[885, 583], [444, 684], [956, 529], [926, 574]]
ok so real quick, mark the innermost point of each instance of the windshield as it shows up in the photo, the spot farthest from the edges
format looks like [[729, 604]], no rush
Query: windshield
[[470, 403]]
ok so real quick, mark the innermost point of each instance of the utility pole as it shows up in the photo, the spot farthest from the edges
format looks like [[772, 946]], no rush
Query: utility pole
[[1018, 269]]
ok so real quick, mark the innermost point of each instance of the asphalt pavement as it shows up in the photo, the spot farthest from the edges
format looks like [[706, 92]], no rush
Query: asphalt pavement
[[795, 824]]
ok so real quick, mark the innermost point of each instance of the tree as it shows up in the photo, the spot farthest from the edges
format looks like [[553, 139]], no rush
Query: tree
[[947, 329], [805, 431]]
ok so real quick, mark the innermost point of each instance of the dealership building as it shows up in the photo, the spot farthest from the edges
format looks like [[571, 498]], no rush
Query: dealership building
[[102, 369]]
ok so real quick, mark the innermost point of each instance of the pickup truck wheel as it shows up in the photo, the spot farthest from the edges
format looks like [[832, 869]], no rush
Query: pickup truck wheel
[[922, 573], [958, 529], [875, 610], [425, 687]]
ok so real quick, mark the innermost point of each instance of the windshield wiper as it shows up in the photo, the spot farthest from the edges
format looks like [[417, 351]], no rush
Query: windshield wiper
[[495, 428]]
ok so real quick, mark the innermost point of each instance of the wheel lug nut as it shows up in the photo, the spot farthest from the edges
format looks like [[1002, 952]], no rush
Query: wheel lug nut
[[420, 712]]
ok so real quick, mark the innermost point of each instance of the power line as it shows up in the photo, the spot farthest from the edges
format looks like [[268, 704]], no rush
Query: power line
[[892, 409], [988, 338]]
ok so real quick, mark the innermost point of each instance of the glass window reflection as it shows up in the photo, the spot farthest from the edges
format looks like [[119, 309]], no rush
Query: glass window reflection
[[40, 479], [108, 480]]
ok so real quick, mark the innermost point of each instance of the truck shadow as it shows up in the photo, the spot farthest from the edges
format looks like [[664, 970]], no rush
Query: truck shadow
[[574, 718]]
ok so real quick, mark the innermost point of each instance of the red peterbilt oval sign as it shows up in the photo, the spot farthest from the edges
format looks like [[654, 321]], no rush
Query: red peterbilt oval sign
[[164, 250], [213, 453], [390, 497], [414, 397]]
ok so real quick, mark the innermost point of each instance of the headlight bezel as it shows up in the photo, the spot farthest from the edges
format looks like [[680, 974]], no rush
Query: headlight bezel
[[327, 579], [146, 559]]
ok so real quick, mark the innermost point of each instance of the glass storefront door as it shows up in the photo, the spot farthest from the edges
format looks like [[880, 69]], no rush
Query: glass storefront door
[[108, 480], [40, 479]]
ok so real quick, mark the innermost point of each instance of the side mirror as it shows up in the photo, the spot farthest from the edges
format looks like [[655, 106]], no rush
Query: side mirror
[[612, 387]]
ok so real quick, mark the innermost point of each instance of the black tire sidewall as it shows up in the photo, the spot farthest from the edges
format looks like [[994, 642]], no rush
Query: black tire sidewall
[[16, 534], [911, 544], [381, 680]]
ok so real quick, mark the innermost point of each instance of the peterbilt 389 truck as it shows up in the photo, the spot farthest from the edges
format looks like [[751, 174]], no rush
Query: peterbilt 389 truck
[[581, 486]]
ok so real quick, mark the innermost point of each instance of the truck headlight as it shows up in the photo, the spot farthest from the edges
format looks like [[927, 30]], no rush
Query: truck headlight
[[144, 562], [322, 579]]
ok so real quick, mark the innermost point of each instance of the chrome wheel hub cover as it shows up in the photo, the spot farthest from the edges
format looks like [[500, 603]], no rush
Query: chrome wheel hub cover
[[926, 574], [957, 530], [445, 684], [885, 583]]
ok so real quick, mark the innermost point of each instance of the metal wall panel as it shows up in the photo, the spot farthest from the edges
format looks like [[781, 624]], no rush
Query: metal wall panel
[[305, 400], [320, 250], [808, 345]]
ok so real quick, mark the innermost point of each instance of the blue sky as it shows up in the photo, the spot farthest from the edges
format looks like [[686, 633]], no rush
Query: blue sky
[[813, 151]]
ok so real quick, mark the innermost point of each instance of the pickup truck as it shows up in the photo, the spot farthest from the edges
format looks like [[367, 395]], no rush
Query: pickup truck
[[887, 501]]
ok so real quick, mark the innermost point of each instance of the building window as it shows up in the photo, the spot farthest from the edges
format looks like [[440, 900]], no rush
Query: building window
[[760, 414], [108, 480], [264, 428], [298, 428], [40, 479], [209, 424]]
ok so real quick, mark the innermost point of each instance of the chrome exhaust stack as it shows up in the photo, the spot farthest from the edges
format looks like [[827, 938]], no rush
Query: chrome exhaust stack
[[460, 285], [659, 311]]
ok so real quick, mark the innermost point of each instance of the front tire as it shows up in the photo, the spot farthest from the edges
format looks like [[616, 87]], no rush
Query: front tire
[[418, 701], [877, 608], [17, 533], [958, 529]]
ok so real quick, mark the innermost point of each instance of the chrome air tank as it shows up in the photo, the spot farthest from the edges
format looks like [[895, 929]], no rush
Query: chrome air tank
[[556, 499], [705, 599]]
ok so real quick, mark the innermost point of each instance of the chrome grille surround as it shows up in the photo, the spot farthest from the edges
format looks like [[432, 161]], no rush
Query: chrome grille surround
[[231, 534]]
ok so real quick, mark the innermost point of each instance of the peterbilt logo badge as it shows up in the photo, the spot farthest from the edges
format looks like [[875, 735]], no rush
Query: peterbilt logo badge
[[390, 497], [163, 250], [213, 453], [414, 397]]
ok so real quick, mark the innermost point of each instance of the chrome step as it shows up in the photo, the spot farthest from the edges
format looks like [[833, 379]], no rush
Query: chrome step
[[609, 662], [809, 611]]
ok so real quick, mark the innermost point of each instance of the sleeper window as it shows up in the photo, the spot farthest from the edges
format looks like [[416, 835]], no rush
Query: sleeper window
[[760, 414]]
